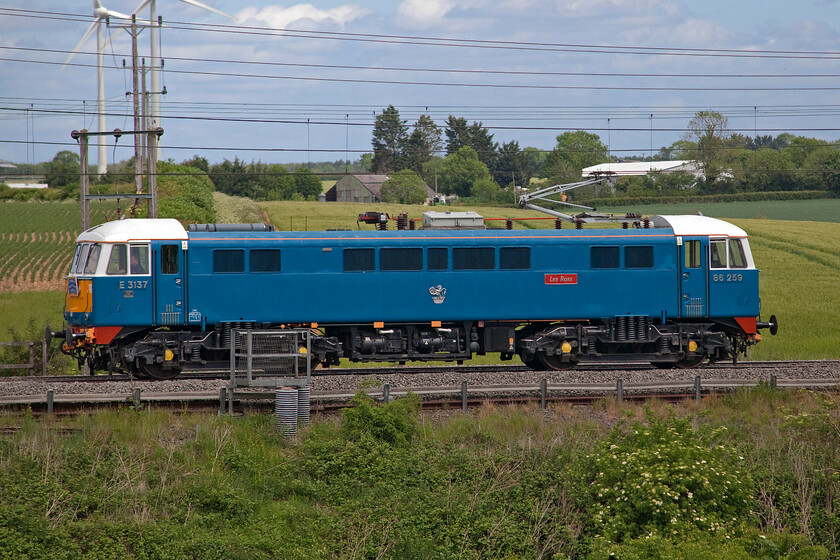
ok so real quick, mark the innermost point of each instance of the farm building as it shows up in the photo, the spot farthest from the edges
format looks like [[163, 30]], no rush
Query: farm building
[[641, 168], [361, 188]]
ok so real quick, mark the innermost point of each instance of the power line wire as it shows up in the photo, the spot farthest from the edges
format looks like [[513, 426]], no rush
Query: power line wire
[[455, 42]]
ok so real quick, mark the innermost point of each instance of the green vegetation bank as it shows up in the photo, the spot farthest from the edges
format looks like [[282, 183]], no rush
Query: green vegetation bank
[[750, 476]]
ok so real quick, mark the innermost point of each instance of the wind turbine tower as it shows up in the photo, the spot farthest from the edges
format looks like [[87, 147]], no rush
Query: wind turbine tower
[[154, 94], [100, 14]]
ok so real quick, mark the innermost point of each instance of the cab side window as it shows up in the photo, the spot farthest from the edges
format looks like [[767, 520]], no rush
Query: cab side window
[[692, 254], [139, 259], [118, 263], [736, 254], [92, 259], [717, 253]]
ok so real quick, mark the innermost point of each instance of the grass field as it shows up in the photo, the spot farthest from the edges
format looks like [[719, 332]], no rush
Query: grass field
[[799, 262], [800, 269], [823, 210], [302, 216]]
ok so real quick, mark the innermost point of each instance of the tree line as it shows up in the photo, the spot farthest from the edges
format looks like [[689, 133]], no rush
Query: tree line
[[462, 158]]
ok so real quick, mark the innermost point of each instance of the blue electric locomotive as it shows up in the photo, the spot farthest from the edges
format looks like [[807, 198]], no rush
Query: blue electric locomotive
[[150, 297]]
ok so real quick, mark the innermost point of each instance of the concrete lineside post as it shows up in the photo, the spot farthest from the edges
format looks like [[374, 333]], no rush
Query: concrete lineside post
[[543, 393], [697, 389], [619, 389], [386, 393], [136, 397], [50, 399], [463, 396], [222, 400]]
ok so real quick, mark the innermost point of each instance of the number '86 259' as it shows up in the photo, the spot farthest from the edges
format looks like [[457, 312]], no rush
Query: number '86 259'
[[727, 277]]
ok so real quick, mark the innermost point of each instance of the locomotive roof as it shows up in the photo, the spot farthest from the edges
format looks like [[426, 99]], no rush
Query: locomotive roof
[[697, 225], [134, 229], [164, 229]]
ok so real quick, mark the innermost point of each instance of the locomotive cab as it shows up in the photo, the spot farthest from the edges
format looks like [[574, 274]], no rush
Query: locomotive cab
[[126, 276]]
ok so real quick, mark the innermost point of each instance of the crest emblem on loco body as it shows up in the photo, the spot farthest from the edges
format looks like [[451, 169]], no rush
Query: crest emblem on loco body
[[438, 293]]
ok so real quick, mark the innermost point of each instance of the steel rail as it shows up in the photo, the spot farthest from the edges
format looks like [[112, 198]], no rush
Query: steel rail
[[409, 370]]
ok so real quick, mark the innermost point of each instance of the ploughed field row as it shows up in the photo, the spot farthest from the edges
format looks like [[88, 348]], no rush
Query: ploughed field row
[[35, 261], [819, 370], [37, 240]]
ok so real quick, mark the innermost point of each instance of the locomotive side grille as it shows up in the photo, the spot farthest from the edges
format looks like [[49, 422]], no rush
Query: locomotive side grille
[[170, 316], [694, 308]]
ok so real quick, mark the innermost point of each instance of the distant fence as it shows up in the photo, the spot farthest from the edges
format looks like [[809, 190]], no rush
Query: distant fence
[[31, 366]]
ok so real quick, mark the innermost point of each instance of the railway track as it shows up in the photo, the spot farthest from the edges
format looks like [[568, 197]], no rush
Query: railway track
[[438, 387], [428, 370]]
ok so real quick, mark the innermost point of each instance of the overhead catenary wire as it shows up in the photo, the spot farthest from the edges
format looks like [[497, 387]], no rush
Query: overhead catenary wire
[[329, 115], [455, 42]]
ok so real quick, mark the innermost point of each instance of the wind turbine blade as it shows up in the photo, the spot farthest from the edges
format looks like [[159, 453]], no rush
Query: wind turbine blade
[[206, 7], [85, 37], [141, 6], [119, 15]]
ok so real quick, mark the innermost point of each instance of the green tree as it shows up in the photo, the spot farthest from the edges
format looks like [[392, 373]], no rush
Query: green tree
[[431, 171], [460, 171], [64, 169], [536, 160], [574, 151], [765, 169], [277, 183], [486, 190], [233, 178], [681, 149], [821, 170], [404, 187], [390, 135], [198, 162], [709, 131], [801, 147], [307, 184], [185, 193], [366, 163], [424, 142], [513, 165], [460, 134]]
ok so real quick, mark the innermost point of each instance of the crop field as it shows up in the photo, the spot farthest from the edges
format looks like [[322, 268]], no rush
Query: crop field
[[800, 268], [36, 242], [823, 210]]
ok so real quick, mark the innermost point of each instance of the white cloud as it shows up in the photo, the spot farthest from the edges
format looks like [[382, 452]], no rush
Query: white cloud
[[280, 17], [424, 12], [611, 8]]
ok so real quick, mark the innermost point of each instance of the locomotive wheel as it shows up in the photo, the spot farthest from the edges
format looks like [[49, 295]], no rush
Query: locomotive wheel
[[535, 364], [156, 371], [555, 363], [690, 362]]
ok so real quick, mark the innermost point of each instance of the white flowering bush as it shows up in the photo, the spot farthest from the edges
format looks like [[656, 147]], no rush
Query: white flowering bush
[[663, 478]]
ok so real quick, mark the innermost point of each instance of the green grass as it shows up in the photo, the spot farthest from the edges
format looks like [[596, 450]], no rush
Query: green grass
[[382, 481], [301, 216], [800, 268], [823, 210], [19, 310]]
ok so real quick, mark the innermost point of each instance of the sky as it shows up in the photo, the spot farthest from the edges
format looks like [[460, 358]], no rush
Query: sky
[[303, 82]]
